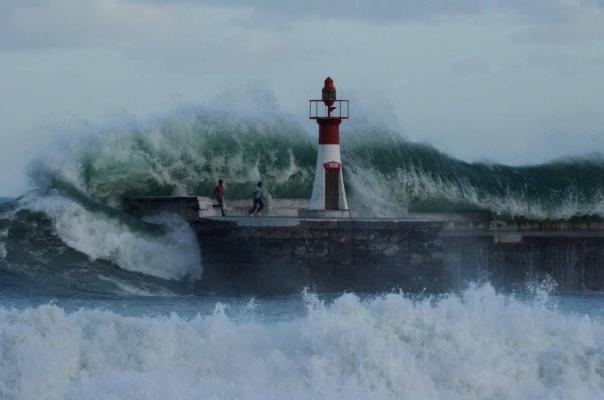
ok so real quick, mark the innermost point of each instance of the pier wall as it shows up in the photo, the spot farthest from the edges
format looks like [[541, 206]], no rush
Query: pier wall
[[574, 260], [331, 255], [374, 255], [429, 252]]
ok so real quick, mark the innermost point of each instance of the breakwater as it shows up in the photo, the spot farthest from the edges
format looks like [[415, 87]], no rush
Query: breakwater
[[280, 254]]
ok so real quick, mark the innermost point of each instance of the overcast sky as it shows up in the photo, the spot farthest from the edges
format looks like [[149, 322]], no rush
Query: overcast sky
[[514, 81]]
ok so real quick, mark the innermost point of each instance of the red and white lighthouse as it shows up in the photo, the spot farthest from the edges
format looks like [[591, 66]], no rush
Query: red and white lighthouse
[[328, 191]]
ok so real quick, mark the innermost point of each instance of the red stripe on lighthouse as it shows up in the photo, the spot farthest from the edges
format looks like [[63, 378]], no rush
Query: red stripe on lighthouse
[[329, 130]]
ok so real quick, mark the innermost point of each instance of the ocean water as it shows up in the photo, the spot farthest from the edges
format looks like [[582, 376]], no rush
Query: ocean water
[[96, 304], [474, 344]]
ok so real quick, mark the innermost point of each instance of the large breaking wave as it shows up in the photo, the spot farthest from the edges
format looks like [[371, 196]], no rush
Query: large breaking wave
[[386, 174], [475, 345]]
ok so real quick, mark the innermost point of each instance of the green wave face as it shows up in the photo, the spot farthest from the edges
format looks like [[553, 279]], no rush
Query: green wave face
[[187, 155], [385, 174]]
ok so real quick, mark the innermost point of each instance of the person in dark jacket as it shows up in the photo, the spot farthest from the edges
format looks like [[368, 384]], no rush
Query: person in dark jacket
[[219, 194], [257, 198]]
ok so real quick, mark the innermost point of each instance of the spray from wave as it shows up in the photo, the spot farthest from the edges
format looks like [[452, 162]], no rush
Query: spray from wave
[[475, 345]]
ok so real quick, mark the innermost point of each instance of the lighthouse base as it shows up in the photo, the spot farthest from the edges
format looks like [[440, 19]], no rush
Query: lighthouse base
[[338, 214]]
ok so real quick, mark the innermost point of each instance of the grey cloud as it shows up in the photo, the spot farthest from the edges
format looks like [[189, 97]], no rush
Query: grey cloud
[[470, 67], [537, 21], [39, 24], [384, 11], [586, 28]]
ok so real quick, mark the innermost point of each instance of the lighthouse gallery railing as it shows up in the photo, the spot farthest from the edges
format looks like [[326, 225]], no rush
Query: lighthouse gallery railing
[[318, 109]]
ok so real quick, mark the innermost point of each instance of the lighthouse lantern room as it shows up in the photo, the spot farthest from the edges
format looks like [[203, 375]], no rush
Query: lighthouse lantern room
[[328, 190]]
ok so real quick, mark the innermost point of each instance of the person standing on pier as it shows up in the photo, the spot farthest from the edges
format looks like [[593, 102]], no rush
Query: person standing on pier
[[219, 194], [257, 197]]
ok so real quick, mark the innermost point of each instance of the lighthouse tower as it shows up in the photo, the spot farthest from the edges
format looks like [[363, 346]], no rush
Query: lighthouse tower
[[328, 193]]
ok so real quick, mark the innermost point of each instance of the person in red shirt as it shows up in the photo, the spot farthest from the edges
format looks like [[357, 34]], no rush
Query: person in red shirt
[[219, 193]]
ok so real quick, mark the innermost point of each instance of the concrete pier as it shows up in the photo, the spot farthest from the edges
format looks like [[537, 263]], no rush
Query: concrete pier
[[284, 254]]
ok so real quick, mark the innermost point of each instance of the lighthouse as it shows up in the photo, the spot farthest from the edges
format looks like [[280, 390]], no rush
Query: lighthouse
[[328, 193]]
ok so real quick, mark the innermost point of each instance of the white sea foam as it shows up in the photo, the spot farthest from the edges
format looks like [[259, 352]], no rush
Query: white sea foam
[[126, 288], [173, 255], [477, 345]]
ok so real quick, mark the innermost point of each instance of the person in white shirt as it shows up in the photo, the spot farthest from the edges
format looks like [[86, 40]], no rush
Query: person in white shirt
[[257, 197]]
